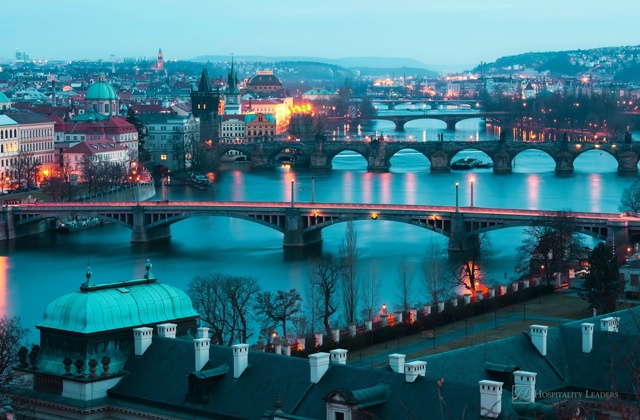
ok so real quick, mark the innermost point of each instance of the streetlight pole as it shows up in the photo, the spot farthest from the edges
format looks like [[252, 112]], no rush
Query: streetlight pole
[[472, 181], [292, 186], [457, 185], [313, 189]]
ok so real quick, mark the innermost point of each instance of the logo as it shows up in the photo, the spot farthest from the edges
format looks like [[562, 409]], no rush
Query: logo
[[520, 394]]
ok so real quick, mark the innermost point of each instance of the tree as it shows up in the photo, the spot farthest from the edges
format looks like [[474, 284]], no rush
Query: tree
[[133, 119], [326, 274], [436, 276], [630, 199], [367, 110], [466, 268], [602, 282], [279, 307], [551, 244], [405, 284], [370, 293], [223, 303], [12, 335], [26, 168], [350, 282]]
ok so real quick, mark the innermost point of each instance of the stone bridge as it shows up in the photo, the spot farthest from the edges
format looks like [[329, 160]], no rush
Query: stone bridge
[[302, 223], [451, 119], [378, 154]]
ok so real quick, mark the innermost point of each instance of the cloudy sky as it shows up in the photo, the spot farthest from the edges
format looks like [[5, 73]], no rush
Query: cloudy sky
[[436, 32]]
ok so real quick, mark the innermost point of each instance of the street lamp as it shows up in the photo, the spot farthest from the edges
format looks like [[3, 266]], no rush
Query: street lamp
[[313, 189], [472, 181], [457, 186], [292, 186]]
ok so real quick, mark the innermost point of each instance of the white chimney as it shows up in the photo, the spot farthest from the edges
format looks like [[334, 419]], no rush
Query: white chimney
[[339, 356], [524, 386], [167, 330], [141, 339], [414, 369], [319, 363], [539, 338], [396, 362], [587, 337], [203, 332], [336, 334], [490, 398], [240, 359], [201, 345], [610, 324]]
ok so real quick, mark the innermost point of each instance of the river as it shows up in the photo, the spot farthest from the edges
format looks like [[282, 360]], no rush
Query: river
[[37, 269]]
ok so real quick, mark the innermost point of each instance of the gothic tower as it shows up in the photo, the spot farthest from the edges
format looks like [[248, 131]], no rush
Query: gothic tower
[[204, 105], [232, 94], [160, 65]]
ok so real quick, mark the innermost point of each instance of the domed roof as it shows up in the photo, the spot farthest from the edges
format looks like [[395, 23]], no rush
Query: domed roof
[[113, 306], [101, 90], [262, 78]]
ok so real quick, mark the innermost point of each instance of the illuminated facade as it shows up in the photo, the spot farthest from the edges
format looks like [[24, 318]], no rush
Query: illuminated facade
[[35, 142]]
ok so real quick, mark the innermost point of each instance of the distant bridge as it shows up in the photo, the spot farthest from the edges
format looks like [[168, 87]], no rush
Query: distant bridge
[[302, 223], [451, 119], [378, 154]]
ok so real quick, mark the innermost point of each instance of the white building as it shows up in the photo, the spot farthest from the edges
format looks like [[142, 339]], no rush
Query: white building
[[8, 149], [36, 141], [171, 138]]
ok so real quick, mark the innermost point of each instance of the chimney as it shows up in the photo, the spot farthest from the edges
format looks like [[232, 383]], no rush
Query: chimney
[[141, 339], [167, 330], [539, 338], [610, 324], [524, 386], [339, 356], [414, 369], [201, 345], [319, 363], [490, 398], [587, 337], [240, 359], [396, 362], [203, 332]]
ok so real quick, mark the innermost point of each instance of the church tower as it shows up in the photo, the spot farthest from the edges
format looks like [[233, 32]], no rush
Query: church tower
[[204, 105], [160, 65], [232, 100]]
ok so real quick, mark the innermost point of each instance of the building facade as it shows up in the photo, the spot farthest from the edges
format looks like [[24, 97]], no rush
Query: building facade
[[171, 139]]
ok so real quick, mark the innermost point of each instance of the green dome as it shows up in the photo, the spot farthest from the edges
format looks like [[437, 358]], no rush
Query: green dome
[[101, 90], [114, 306]]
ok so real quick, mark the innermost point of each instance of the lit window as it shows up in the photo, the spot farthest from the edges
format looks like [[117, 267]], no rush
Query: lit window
[[163, 157]]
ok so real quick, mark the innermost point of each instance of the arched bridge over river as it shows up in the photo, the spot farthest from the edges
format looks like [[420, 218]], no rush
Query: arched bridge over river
[[378, 154], [302, 223]]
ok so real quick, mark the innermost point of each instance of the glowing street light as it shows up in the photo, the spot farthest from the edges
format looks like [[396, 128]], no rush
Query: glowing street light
[[472, 181], [292, 186], [457, 185]]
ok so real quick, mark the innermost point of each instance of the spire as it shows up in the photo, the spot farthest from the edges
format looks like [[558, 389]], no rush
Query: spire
[[205, 84]]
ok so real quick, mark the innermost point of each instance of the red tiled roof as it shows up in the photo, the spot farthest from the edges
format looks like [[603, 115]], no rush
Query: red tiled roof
[[95, 146]]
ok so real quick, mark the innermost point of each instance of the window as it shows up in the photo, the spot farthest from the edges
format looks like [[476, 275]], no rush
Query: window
[[163, 157], [339, 416]]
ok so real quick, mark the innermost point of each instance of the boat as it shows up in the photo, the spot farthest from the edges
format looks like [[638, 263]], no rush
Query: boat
[[77, 223], [199, 181], [470, 163]]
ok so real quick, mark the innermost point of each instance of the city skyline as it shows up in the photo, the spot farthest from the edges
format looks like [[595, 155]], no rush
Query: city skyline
[[432, 33]]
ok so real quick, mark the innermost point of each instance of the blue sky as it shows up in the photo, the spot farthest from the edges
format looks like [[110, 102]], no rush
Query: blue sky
[[438, 32]]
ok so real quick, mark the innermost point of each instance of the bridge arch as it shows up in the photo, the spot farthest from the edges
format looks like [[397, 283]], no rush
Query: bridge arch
[[467, 119], [412, 149], [585, 151], [550, 160], [387, 218], [472, 152], [340, 151], [276, 224], [517, 224], [288, 153]]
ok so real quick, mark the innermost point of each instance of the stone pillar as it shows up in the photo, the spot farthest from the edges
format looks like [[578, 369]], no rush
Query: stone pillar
[[9, 229], [440, 162], [352, 330], [293, 236], [467, 298], [384, 320], [398, 316], [502, 162], [426, 310], [336, 334], [618, 237], [413, 315], [454, 301], [286, 347], [515, 285], [628, 163], [140, 233], [440, 306], [479, 295], [564, 163], [492, 292], [319, 160], [368, 325], [525, 284], [503, 290], [301, 343], [319, 337]]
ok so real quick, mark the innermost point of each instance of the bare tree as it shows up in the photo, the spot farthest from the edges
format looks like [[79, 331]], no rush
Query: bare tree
[[405, 284], [350, 282], [279, 307], [467, 265], [549, 245], [630, 199], [26, 168], [370, 293], [12, 335], [436, 276], [327, 272], [223, 303]]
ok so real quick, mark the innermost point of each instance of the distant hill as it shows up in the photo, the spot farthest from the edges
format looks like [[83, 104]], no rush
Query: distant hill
[[620, 63]]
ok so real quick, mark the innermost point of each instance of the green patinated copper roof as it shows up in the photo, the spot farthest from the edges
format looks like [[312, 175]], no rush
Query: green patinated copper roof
[[113, 306], [89, 115], [101, 91]]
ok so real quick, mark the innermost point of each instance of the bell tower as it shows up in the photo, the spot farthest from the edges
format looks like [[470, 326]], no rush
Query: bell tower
[[160, 65], [204, 105]]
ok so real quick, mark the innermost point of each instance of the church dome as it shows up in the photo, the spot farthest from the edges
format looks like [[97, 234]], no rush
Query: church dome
[[264, 78], [114, 306], [101, 90]]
